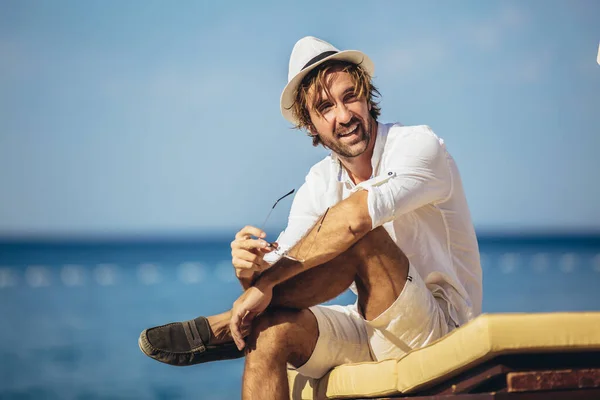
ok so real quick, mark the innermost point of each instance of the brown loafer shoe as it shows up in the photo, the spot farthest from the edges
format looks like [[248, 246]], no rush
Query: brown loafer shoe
[[185, 343]]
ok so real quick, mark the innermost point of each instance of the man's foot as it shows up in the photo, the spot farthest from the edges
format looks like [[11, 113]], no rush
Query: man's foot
[[186, 343]]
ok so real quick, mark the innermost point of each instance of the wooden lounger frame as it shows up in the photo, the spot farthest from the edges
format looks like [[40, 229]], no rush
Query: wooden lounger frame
[[568, 376]]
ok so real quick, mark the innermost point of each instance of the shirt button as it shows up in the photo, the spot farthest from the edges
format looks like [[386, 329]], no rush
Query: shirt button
[[390, 173]]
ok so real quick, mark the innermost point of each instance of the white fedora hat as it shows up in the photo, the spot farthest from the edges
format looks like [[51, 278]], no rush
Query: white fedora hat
[[307, 54]]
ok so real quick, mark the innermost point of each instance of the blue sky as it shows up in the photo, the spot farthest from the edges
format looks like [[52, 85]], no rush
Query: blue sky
[[161, 118]]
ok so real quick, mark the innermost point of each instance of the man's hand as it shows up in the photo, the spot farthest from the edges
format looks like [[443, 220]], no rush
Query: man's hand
[[251, 303], [247, 253]]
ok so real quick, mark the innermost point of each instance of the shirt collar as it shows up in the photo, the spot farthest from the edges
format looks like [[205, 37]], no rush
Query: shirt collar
[[342, 174]]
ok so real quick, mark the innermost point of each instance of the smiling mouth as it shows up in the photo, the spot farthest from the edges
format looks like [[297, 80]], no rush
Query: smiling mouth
[[350, 132]]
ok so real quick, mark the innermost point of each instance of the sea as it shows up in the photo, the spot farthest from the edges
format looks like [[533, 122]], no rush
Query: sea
[[71, 312]]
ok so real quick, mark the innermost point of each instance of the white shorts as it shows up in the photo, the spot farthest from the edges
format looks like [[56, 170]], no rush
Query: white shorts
[[414, 320]]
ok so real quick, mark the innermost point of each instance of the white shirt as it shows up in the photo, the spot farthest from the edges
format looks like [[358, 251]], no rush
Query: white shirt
[[417, 195]]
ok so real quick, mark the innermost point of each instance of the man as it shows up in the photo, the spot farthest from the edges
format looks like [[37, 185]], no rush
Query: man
[[385, 213]]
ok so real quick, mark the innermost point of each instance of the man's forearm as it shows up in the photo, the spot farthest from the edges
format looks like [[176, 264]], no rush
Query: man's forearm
[[342, 226]]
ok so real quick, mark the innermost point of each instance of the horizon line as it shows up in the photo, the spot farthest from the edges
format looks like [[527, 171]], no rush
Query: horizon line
[[222, 235]]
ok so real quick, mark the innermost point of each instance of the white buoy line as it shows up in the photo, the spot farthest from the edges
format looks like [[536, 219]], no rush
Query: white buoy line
[[196, 272]]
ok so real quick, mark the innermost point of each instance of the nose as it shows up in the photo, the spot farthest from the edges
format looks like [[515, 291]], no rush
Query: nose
[[343, 115]]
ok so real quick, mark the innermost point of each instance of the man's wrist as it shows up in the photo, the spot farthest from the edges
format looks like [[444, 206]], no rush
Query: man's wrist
[[263, 286]]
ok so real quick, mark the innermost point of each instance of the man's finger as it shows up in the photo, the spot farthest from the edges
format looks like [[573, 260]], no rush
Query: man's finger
[[248, 231], [272, 247], [245, 261], [235, 331], [249, 244], [246, 255], [248, 318], [246, 329], [244, 273]]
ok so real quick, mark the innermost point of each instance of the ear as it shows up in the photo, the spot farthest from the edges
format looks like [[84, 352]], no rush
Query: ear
[[369, 104]]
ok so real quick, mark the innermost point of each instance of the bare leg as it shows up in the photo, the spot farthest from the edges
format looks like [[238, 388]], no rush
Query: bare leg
[[373, 262], [290, 335], [278, 336], [219, 326]]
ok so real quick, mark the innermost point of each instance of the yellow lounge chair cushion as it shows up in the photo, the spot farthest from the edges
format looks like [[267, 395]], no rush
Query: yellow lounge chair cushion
[[483, 338]]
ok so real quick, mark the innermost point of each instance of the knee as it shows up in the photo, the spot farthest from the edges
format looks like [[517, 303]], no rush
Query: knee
[[284, 335], [270, 329]]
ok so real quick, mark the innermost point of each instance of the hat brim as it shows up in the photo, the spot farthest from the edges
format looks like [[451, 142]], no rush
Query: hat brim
[[289, 92]]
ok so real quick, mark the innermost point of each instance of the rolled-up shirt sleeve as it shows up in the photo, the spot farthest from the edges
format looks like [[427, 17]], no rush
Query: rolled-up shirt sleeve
[[416, 173]]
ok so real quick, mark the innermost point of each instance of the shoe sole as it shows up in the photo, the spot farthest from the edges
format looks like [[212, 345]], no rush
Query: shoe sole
[[140, 344]]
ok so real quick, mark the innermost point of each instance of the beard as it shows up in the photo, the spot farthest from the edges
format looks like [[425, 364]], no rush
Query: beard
[[355, 148]]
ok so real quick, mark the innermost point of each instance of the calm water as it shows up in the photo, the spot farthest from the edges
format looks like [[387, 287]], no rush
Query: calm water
[[70, 314]]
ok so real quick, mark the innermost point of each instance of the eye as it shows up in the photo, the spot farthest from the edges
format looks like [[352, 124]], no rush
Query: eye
[[324, 107], [351, 96]]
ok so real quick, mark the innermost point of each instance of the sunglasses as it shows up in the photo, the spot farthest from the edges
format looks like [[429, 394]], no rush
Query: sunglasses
[[262, 228]]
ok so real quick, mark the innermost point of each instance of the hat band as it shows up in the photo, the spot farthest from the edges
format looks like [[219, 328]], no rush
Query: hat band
[[318, 58]]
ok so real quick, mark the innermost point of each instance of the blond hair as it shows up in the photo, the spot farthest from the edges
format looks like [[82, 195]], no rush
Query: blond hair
[[363, 87]]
